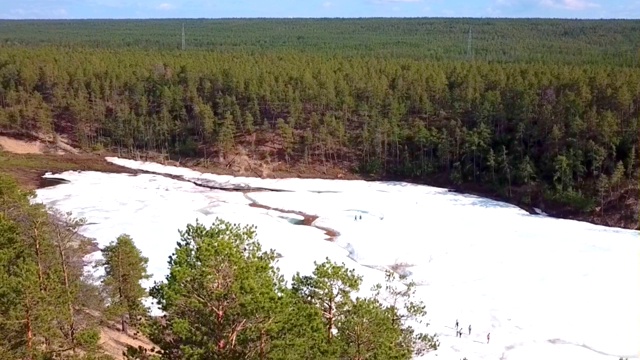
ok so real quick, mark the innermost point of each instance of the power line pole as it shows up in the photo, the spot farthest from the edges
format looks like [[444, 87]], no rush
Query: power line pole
[[469, 53], [183, 41]]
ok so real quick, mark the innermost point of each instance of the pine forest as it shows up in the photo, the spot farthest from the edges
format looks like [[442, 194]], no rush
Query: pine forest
[[536, 112], [539, 113]]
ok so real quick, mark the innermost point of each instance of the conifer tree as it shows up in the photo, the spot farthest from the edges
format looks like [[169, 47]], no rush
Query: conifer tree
[[299, 331], [20, 295], [41, 277], [220, 297], [368, 332], [329, 288], [70, 266], [26, 267], [124, 268], [398, 299]]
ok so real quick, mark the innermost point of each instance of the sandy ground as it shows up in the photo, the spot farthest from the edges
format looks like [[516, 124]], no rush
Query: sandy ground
[[114, 342], [21, 146]]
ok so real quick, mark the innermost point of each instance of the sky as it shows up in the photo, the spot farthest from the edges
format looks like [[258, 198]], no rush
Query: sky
[[80, 9]]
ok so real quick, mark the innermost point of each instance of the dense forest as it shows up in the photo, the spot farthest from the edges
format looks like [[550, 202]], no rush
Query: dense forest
[[540, 112], [222, 299], [606, 42]]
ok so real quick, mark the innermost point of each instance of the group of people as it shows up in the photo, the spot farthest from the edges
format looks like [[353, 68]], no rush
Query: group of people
[[459, 331]]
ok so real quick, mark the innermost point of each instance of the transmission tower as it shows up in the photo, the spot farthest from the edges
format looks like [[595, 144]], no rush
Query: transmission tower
[[183, 41], [469, 52]]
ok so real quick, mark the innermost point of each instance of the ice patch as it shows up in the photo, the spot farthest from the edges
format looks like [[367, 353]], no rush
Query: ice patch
[[526, 279]]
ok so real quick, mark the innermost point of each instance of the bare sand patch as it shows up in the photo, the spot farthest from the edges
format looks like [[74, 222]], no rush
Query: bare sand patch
[[21, 146], [114, 342]]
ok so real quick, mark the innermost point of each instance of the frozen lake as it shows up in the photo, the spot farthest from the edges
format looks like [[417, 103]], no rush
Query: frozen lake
[[544, 288]]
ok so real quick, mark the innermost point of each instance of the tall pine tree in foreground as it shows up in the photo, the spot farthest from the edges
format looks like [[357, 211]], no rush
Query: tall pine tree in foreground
[[124, 268], [19, 295], [329, 288], [42, 315], [224, 299], [220, 297], [365, 328]]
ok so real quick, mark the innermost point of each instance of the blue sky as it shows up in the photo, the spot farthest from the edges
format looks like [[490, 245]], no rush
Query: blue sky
[[75, 9]]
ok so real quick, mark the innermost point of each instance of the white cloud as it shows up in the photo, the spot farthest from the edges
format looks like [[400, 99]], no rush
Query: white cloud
[[569, 4], [165, 6], [327, 4]]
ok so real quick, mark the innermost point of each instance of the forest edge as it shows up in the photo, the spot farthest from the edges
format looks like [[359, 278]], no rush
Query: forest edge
[[28, 168]]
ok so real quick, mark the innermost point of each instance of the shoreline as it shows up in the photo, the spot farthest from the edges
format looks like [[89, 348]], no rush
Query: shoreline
[[540, 209], [28, 169]]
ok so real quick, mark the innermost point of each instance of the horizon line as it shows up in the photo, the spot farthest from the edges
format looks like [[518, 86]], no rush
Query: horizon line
[[332, 18]]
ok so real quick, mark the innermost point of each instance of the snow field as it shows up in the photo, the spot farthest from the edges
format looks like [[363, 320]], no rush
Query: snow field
[[545, 288]]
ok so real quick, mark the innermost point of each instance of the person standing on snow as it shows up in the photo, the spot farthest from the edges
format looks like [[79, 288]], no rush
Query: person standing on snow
[[488, 337], [457, 324], [469, 329]]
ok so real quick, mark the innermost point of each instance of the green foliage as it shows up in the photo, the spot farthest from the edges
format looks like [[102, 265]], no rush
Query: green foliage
[[575, 200], [42, 295], [299, 331], [220, 297], [19, 294], [124, 268], [550, 111], [89, 339], [139, 353], [496, 40], [223, 298], [329, 289], [398, 295], [368, 332]]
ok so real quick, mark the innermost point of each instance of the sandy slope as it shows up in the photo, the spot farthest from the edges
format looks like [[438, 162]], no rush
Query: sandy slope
[[21, 146]]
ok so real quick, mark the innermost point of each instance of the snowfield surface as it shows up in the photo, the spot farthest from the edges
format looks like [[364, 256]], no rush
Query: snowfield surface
[[544, 288]]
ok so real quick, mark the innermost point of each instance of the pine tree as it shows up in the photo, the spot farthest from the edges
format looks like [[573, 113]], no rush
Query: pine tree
[[299, 330], [287, 136], [505, 166], [563, 175], [19, 295], [69, 250], [617, 177], [397, 297], [124, 268], [526, 171], [27, 267], [603, 188], [631, 162], [491, 163], [220, 297], [368, 332], [226, 135], [41, 277], [329, 288]]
